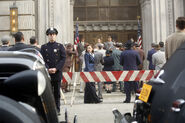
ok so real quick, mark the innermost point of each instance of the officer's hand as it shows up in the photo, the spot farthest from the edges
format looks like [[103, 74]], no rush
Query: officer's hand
[[52, 70]]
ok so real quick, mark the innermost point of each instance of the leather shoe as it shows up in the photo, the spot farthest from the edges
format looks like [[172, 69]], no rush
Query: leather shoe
[[126, 101]]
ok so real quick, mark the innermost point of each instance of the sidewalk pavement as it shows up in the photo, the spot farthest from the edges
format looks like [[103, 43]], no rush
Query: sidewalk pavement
[[95, 113]]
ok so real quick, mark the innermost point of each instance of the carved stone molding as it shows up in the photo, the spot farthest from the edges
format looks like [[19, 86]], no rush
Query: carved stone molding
[[144, 2], [170, 17], [104, 26], [51, 13]]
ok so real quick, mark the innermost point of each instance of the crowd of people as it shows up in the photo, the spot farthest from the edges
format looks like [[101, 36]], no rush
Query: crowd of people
[[107, 56]]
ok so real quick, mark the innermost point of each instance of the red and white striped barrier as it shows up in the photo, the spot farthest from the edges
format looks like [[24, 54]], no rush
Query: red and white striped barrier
[[108, 76]]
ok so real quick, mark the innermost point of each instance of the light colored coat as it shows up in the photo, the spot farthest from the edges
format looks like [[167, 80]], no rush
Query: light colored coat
[[158, 59], [98, 61], [173, 42]]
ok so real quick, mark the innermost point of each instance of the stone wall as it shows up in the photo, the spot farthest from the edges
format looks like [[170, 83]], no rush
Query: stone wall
[[26, 17], [36, 16]]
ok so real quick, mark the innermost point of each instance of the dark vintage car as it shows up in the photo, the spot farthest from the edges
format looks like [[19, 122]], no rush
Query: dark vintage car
[[162, 99], [25, 82]]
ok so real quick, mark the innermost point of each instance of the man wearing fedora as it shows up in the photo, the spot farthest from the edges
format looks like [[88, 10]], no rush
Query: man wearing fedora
[[130, 60]]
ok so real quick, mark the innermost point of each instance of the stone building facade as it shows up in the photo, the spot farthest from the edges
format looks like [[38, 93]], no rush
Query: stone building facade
[[158, 18], [26, 17], [35, 16]]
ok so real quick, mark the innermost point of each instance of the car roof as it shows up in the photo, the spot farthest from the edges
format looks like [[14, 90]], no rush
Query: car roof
[[17, 57]]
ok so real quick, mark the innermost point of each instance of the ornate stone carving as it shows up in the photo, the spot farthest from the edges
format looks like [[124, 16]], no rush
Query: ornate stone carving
[[99, 26], [170, 17], [51, 13]]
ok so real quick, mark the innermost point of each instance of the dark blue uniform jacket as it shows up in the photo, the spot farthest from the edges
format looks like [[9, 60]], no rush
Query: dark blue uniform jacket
[[54, 56]]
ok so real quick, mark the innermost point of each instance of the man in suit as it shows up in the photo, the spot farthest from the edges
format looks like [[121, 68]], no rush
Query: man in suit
[[176, 39], [117, 67], [109, 45], [19, 42], [130, 60], [54, 56], [98, 61], [33, 42], [149, 57], [5, 43]]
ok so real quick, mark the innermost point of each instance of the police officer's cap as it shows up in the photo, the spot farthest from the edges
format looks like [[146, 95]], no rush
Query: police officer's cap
[[51, 31]]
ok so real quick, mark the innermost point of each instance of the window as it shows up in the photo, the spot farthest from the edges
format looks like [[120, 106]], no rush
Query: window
[[91, 3], [115, 2], [80, 12], [103, 13], [106, 10], [79, 2], [124, 13], [92, 13], [103, 2], [124, 2]]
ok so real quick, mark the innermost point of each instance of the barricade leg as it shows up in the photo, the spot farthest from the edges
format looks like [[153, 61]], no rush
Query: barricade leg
[[74, 80]]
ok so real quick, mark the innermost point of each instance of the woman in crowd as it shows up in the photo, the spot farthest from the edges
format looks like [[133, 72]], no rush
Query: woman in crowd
[[70, 52], [90, 95]]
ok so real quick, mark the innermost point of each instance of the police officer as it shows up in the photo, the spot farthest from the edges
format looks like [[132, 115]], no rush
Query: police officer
[[54, 57], [130, 60]]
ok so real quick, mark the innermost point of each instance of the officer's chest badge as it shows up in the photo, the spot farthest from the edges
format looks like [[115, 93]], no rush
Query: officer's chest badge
[[55, 50]]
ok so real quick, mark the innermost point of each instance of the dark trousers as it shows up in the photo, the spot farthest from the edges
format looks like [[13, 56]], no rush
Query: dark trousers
[[56, 90], [129, 87]]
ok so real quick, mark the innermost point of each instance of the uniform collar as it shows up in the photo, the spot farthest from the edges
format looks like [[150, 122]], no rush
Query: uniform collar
[[51, 42]]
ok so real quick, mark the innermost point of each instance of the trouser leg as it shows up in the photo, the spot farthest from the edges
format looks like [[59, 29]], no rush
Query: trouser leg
[[56, 91], [127, 89], [121, 86], [114, 87], [99, 89]]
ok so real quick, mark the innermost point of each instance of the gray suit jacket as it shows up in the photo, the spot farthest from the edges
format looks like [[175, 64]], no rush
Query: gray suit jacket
[[98, 61]]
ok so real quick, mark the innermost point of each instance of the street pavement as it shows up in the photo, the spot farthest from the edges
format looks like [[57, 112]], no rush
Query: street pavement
[[95, 113]]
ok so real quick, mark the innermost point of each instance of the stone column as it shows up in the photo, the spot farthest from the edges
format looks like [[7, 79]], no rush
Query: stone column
[[146, 24], [71, 21], [170, 17], [159, 19], [42, 21], [178, 8], [155, 21], [61, 19], [175, 8], [54, 13]]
